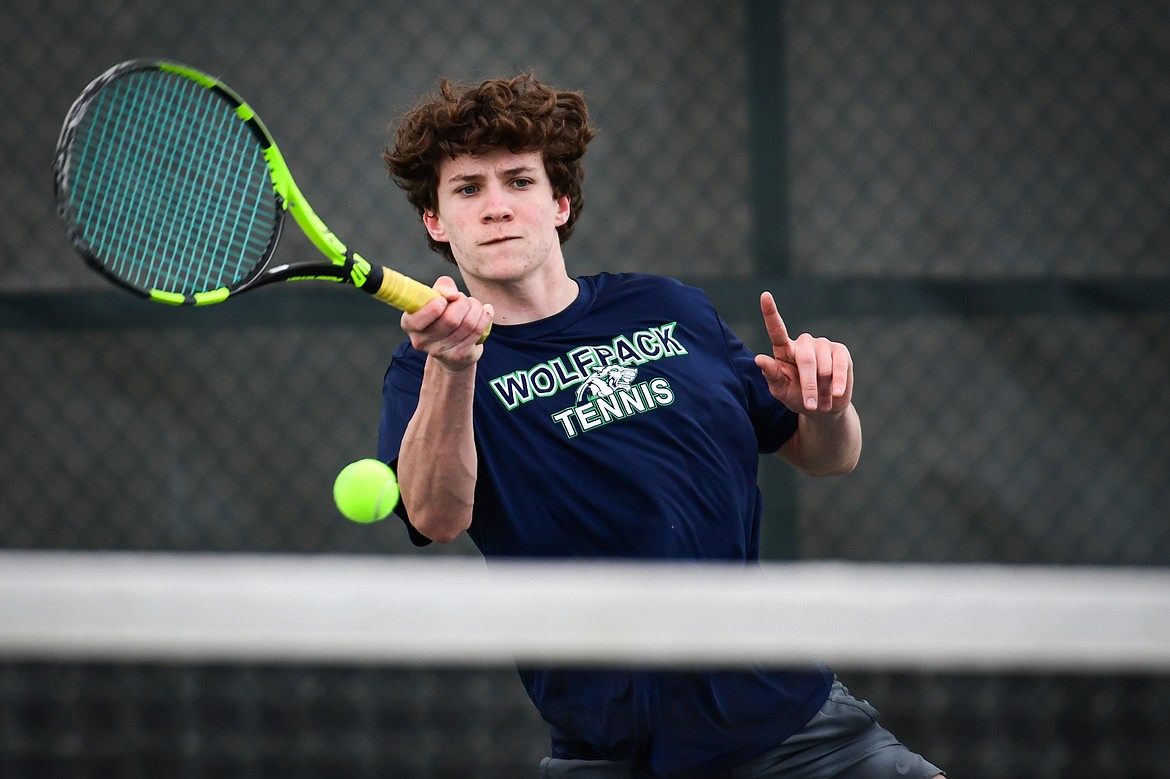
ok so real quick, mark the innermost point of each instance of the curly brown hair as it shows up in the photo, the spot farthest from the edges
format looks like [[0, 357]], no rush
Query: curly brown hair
[[519, 114]]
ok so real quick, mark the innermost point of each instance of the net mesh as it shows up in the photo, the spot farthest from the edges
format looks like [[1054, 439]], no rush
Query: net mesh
[[367, 666]]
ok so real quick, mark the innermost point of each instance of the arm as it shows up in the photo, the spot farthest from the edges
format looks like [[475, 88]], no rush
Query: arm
[[814, 378], [437, 461], [825, 445]]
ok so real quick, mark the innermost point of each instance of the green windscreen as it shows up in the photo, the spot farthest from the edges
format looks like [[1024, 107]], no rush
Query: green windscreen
[[167, 187]]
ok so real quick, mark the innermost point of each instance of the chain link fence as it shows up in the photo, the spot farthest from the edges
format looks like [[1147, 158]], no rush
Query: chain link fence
[[956, 143]]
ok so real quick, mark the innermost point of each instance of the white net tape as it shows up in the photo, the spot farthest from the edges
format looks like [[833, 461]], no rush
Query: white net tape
[[457, 611]]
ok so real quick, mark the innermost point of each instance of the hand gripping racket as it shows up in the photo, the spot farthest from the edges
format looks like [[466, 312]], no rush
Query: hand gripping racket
[[171, 186]]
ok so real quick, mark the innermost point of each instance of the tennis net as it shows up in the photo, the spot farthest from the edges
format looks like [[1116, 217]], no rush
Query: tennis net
[[459, 611], [362, 666]]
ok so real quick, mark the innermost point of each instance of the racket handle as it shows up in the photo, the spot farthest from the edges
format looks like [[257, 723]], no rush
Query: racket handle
[[406, 294], [403, 292]]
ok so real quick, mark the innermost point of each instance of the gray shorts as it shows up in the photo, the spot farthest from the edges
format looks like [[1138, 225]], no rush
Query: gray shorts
[[842, 740]]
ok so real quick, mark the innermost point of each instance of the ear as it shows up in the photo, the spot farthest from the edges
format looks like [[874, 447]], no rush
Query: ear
[[431, 221], [563, 210]]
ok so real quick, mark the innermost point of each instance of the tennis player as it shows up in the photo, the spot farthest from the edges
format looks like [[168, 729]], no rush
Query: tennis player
[[607, 416]]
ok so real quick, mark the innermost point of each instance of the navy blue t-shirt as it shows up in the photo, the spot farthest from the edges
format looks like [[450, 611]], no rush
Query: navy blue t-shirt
[[629, 426]]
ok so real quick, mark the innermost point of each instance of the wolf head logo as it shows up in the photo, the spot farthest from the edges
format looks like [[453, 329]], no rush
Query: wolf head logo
[[606, 381]]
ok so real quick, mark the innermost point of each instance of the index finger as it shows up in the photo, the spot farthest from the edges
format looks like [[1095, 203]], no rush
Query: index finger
[[773, 322]]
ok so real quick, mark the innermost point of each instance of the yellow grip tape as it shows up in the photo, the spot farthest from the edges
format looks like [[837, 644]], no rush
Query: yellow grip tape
[[406, 294], [403, 292]]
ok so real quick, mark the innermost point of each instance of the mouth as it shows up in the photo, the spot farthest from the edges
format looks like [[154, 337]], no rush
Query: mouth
[[498, 241]]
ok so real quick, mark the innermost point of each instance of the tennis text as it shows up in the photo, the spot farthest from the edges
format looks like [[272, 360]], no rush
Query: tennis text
[[636, 399]]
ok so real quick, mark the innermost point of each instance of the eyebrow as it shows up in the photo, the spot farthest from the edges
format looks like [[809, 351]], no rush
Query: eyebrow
[[472, 177]]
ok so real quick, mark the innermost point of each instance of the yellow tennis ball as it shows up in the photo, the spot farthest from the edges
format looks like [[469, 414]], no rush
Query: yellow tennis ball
[[366, 491]]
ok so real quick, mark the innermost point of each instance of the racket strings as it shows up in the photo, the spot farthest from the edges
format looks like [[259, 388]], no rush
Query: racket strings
[[169, 186]]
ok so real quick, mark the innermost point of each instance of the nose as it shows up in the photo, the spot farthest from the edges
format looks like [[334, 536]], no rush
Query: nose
[[495, 207]]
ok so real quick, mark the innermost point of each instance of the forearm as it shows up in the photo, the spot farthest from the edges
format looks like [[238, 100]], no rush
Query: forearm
[[437, 461], [825, 444]]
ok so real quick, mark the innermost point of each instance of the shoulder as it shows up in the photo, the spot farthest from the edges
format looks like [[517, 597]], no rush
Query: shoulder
[[640, 300]]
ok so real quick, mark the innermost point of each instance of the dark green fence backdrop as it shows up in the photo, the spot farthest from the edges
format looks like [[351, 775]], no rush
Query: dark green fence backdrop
[[972, 196]]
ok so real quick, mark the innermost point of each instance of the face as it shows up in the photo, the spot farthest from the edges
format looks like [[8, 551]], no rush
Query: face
[[498, 213]]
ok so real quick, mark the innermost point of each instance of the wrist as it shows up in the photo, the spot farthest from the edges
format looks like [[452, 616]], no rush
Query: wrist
[[449, 367]]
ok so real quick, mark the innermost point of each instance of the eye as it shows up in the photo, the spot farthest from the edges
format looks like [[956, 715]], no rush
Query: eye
[[467, 190], [522, 183]]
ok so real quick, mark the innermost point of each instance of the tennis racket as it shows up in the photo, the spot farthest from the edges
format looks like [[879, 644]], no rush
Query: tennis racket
[[170, 186]]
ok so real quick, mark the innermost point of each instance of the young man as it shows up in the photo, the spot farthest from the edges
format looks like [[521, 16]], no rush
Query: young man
[[611, 416]]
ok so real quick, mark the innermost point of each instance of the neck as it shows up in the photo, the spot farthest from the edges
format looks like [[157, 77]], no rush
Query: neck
[[528, 301]]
